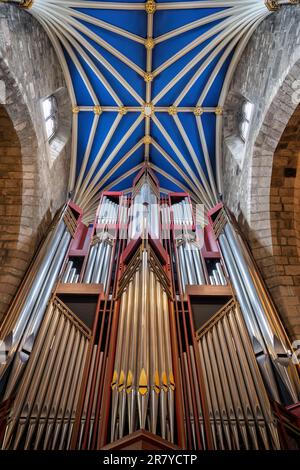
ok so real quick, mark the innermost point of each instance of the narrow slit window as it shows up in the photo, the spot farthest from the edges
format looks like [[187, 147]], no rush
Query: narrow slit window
[[246, 117], [50, 113]]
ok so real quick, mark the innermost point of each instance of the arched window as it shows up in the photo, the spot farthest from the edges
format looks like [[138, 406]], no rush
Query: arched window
[[50, 113]]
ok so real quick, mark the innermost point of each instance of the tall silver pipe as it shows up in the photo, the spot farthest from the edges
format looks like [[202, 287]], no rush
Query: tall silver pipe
[[72, 275], [250, 319], [38, 311], [97, 261], [154, 371], [198, 266], [189, 211], [90, 265], [221, 274], [132, 376], [216, 277], [105, 271], [246, 276], [237, 281], [189, 264], [183, 271], [52, 243], [67, 272], [260, 331], [101, 270], [258, 308], [61, 393]]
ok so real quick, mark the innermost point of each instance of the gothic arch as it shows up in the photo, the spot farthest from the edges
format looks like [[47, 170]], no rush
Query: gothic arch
[[249, 184], [18, 187], [274, 201], [26, 57]]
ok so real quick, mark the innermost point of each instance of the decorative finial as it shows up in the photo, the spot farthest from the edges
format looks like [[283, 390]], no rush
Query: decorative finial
[[148, 109], [198, 111], [172, 110], [150, 7], [98, 110], [148, 77], [27, 4], [147, 140], [272, 5], [123, 110], [149, 43]]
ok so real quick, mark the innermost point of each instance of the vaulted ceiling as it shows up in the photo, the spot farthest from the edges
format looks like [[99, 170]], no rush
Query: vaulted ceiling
[[148, 81]]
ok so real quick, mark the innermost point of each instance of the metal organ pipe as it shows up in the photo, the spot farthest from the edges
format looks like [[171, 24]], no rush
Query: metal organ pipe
[[132, 378], [55, 246], [191, 266], [143, 333], [263, 335], [191, 262], [250, 319], [108, 213], [42, 400], [124, 362], [90, 265], [123, 218], [154, 372], [67, 272], [143, 381], [143, 350], [165, 221], [144, 210], [36, 315], [255, 301], [99, 257], [227, 359], [117, 379]]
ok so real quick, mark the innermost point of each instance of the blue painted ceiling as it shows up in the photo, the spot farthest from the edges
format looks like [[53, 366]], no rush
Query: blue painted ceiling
[[194, 59]]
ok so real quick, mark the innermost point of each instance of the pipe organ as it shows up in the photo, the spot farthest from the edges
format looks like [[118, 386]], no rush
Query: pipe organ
[[145, 323], [143, 380]]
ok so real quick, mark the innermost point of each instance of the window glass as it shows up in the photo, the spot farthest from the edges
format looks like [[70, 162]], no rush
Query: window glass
[[247, 110], [246, 116], [49, 107]]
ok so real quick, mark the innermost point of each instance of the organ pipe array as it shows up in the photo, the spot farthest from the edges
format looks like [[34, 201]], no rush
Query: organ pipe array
[[143, 380], [145, 321], [44, 409], [239, 409], [21, 326], [268, 339]]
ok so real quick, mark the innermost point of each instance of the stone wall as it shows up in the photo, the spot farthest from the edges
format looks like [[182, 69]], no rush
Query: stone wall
[[12, 267], [269, 57], [30, 71], [282, 266], [261, 197]]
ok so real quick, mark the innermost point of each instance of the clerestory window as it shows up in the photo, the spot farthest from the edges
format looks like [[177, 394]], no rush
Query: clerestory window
[[246, 117], [50, 112]]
